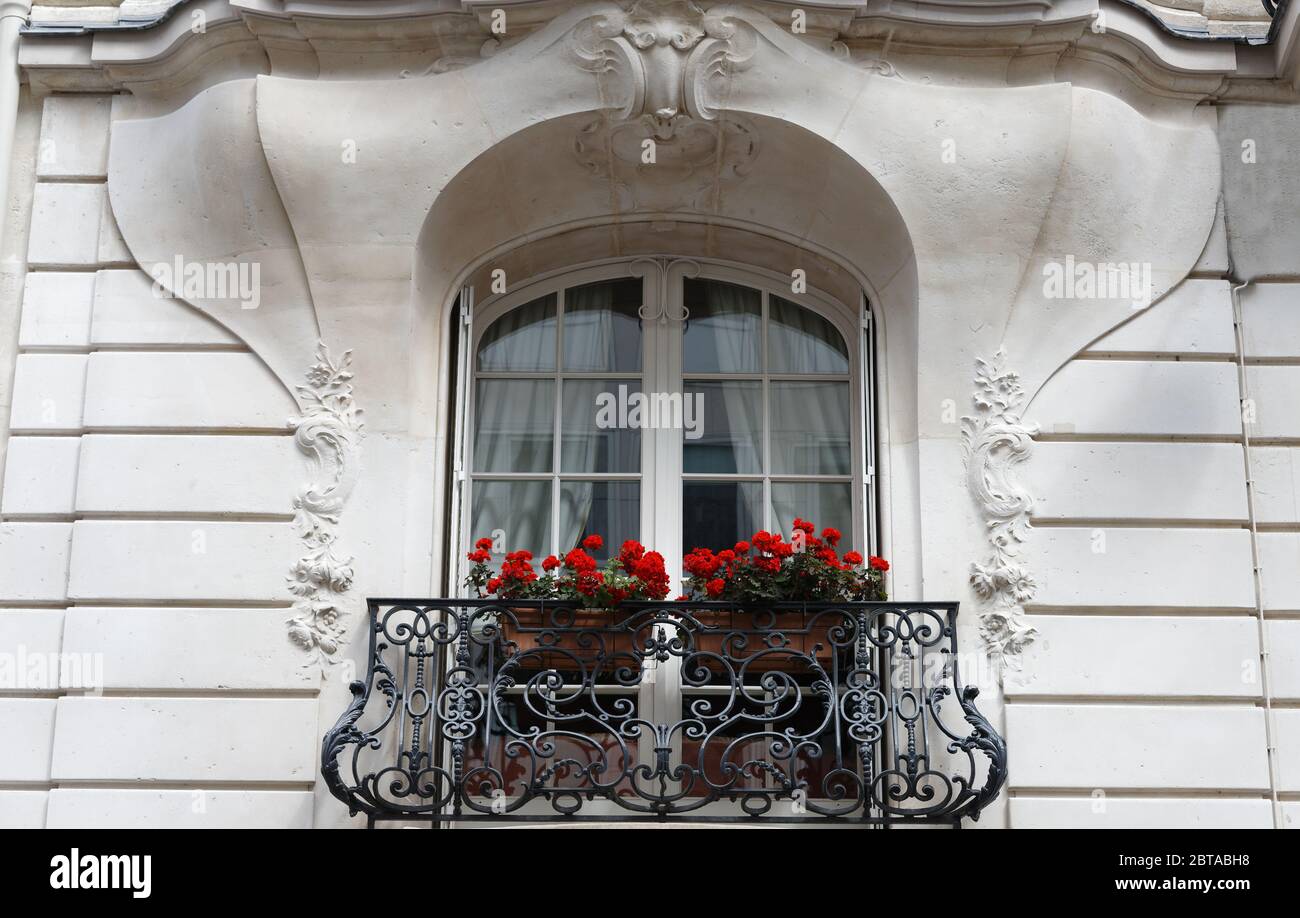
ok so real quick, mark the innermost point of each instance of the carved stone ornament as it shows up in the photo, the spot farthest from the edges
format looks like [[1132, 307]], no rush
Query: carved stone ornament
[[994, 441], [329, 432], [663, 71], [689, 168], [663, 60]]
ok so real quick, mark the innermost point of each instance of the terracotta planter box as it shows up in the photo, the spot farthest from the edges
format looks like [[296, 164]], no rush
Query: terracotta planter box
[[526, 631], [529, 627], [800, 631]]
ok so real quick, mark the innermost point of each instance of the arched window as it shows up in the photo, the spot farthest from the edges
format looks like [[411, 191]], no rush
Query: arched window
[[688, 406]]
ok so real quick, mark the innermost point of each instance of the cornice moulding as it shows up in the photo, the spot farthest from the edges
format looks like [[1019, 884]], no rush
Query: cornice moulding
[[363, 41]]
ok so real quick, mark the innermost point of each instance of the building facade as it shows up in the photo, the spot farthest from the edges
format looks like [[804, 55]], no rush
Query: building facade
[[294, 293]]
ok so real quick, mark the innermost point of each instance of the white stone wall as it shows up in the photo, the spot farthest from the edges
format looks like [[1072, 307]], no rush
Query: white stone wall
[[1141, 703], [145, 520]]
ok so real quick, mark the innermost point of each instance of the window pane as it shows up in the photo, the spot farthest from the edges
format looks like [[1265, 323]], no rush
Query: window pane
[[520, 509], [602, 332], [611, 509], [718, 514], [801, 341], [728, 440], [514, 425], [522, 339], [822, 503], [585, 446], [810, 428], [724, 331]]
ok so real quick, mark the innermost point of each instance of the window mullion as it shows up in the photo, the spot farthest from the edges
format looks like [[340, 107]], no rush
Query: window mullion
[[556, 444], [768, 522]]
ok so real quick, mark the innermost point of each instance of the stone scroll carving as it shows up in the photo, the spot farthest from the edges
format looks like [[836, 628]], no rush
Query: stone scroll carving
[[329, 432], [663, 61], [994, 441], [663, 71]]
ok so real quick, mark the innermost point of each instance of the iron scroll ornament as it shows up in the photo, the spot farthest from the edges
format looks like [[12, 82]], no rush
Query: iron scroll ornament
[[476, 711]]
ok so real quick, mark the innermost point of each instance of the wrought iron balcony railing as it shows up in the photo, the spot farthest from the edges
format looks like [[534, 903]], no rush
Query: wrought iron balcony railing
[[472, 710]]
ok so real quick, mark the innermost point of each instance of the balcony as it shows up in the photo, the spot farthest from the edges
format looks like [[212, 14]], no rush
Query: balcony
[[475, 711]]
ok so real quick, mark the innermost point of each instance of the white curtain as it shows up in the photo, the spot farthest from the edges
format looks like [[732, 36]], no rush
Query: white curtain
[[810, 428], [801, 341]]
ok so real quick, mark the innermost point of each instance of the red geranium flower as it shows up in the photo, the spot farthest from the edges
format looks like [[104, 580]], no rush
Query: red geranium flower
[[650, 571], [852, 557], [742, 547], [631, 553], [551, 563], [593, 543], [589, 581], [701, 563], [483, 544], [879, 564], [579, 560], [715, 587], [831, 535]]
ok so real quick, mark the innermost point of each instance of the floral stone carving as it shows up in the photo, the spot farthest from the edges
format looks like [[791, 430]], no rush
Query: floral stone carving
[[329, 433], [994, 441]]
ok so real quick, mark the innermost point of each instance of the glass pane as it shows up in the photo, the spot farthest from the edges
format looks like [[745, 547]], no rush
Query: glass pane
[[718, 514], [724, 331], [728, 439], [520, 509], [821, 503], [610, 509], [588, 442], [602, 332], [514, 425], [810, 428], [801, 341], [522, 339]]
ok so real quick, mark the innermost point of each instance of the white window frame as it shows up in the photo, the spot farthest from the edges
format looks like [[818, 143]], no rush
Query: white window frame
[[661, 473]]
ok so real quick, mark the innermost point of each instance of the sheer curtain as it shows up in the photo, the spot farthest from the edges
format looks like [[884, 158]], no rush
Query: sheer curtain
[[601, 328], [514, 423], [522, 340], [602, 333], [801, 341], [724, 335]]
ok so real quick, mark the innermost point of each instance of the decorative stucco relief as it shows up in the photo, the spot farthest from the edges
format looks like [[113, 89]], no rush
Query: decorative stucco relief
[[994, 441], [662, 69], [329, 432], [691, 165], [664, 60], [449, 62]]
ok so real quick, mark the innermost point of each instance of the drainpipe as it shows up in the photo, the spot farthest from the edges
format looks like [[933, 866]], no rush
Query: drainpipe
[[13, 15], [1266, 688]]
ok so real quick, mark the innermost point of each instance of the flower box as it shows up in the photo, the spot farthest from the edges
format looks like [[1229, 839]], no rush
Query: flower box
[[793, 634], [758, 581], [563, 638]]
